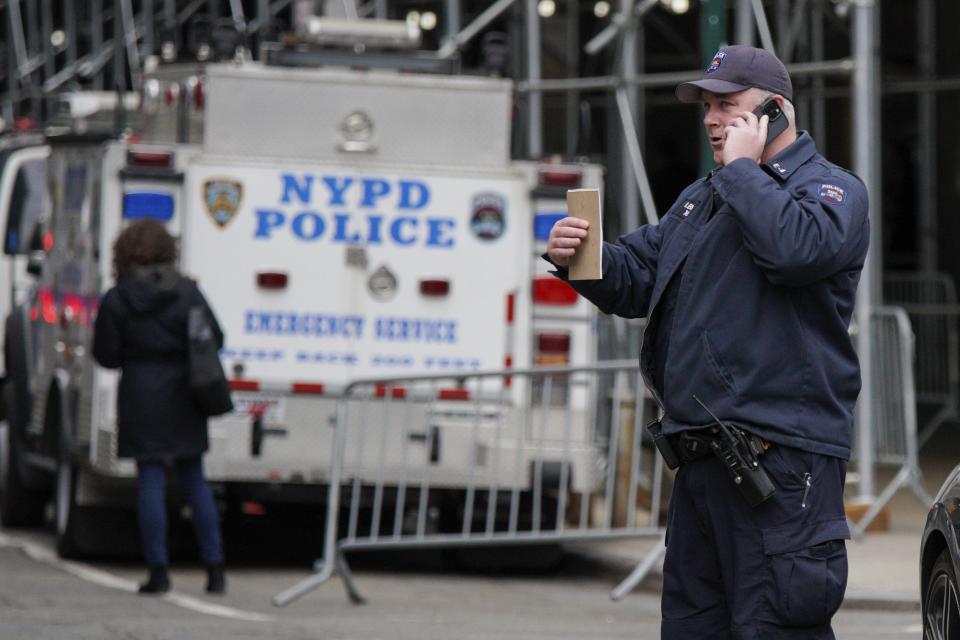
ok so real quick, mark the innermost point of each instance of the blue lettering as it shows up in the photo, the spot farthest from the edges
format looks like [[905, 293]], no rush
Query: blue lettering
[[337, 189], [373, 189], [267, 221], [265, 319], [373, 235], [437, 229], [357, 326], [308, 225], [295, 323], [416, 330], [413, 194], [395, 229], [302, 190], [341, 233]]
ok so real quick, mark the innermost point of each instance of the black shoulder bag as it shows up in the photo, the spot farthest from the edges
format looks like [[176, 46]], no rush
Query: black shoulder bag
[[208, 383]]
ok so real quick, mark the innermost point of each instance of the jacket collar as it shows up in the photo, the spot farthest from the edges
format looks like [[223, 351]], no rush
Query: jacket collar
[[785, 163]]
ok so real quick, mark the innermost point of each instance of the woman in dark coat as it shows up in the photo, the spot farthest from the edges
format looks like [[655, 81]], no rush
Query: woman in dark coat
[[141, 328]]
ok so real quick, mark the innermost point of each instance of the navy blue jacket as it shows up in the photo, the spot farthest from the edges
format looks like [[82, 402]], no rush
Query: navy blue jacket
[[768, 259]]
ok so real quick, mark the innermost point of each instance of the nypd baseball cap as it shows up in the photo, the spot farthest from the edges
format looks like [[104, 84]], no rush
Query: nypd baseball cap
[[738, 67]]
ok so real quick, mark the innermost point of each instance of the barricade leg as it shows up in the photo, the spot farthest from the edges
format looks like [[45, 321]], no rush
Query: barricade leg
[[326, 567], [637, 575], [344, 570], [905, 475], [305, 586]]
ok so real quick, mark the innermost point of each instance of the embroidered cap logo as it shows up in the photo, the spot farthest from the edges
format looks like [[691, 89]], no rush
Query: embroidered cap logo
[[715, 63]]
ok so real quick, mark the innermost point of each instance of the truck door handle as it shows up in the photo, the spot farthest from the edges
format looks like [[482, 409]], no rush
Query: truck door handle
[[258, 432], [433, 437]]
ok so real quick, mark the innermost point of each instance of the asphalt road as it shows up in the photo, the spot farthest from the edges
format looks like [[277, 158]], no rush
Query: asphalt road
[[44, 598]]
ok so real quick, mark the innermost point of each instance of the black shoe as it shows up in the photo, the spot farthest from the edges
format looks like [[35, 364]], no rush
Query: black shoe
[[158, 581], [216, 580]]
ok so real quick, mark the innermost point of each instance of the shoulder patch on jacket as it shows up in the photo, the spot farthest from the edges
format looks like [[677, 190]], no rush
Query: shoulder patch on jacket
[[832, 193]]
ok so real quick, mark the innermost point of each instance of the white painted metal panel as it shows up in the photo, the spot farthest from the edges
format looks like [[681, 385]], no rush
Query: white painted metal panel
[[258, 112]]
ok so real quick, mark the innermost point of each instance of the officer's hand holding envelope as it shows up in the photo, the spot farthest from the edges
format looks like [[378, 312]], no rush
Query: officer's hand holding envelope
[[576, 241]]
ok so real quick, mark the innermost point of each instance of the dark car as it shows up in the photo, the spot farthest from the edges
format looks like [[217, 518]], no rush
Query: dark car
[[939, 563]]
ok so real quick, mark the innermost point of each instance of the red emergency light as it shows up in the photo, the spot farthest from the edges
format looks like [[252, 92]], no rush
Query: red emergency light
[[553, 342], [553, 291], [436, 287], [272, 279], [557, 177], [155, 159]]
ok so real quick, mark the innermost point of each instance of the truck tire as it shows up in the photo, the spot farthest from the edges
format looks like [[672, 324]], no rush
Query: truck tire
[[75, 527], [66, 511], [20, 505]]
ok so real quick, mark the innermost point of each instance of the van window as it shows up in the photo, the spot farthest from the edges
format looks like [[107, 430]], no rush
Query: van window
[[29, 207]]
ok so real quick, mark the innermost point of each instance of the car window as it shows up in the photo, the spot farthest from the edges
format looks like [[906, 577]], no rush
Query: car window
[[29, 207]]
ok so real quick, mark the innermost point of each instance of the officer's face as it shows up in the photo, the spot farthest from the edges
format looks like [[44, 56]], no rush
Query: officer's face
[[720, 109]]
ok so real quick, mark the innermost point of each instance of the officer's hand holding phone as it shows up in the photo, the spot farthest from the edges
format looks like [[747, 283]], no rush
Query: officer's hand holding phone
[[749, 133]]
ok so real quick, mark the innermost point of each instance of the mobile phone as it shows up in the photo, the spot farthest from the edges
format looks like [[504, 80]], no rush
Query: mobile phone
[[778, 120]]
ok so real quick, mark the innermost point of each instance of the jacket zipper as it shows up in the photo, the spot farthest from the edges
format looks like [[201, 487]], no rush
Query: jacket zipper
[[806, 480]]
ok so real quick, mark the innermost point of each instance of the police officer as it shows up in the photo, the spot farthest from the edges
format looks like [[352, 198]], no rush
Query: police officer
[[748, 285]]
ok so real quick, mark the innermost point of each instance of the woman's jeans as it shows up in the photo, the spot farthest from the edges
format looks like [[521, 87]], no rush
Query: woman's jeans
[[152, 509]]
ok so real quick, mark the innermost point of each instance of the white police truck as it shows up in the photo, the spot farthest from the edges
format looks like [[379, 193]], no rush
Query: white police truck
[[344, 223]]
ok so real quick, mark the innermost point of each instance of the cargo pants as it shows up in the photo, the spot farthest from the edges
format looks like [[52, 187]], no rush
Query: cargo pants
[[777, 571]]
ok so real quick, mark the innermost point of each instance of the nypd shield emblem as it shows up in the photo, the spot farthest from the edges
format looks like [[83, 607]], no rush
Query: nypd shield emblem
[[222, 198], [489, 216]]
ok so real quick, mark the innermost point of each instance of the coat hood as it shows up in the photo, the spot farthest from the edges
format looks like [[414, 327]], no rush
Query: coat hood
[[149, 288]]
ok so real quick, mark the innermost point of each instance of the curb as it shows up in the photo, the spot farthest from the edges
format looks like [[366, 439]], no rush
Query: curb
[[619, 567], [871, 601]]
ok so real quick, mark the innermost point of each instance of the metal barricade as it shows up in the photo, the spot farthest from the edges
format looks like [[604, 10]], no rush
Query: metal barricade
[[930, 299], [895, 411], [490, 458]]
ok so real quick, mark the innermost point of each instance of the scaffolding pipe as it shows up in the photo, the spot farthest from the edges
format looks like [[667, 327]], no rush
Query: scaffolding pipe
[[618, 22], [130, 36], [535, 98], [471, 30], [146, 16], [96, 37], [840, 67], [765, 38], [69, 21], [119, 70], [46, 27], [10, 104], [636, 157], [793, 30], [927, 142], [572, 111], [744, 24], [263, 17], [629, 211], [19, 41], [818, 110], [865, 161], [451, 20]]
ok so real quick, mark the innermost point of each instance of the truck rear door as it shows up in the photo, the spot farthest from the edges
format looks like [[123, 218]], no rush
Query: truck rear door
[[327, 273]]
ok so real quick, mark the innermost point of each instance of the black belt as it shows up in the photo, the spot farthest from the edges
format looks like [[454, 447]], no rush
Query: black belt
[[693, 445]]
